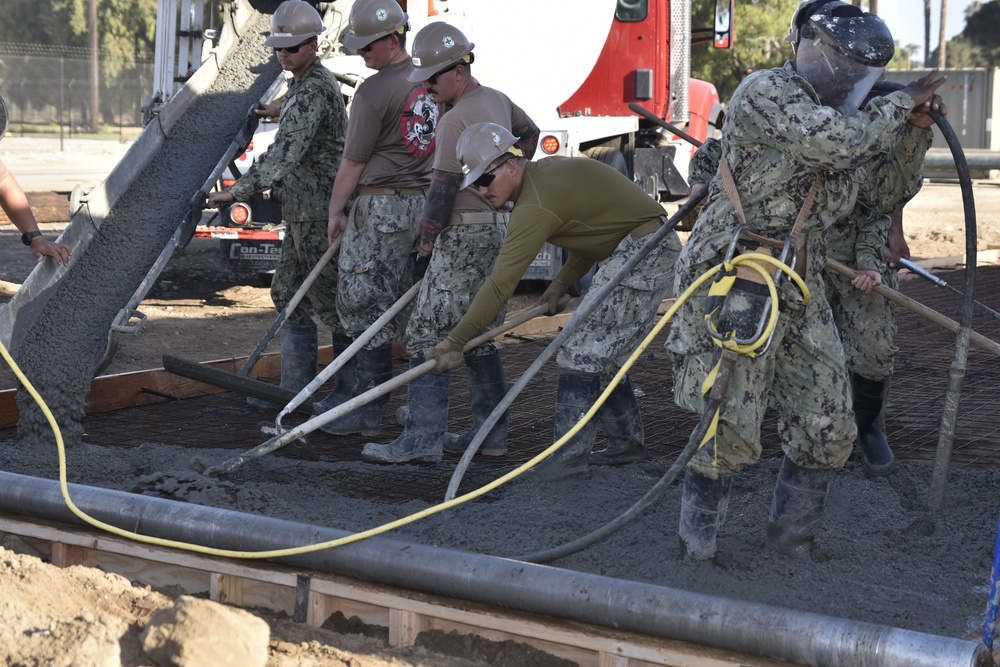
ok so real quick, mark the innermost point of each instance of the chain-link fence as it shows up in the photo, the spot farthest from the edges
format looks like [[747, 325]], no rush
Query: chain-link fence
[[50, 87]]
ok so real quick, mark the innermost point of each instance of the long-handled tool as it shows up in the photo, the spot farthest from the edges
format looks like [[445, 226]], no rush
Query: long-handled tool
[[940, 282], [311, 425], [240, 381], [347, 354]]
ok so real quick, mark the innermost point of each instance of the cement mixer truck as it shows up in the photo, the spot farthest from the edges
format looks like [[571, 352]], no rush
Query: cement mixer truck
[[574, 66]]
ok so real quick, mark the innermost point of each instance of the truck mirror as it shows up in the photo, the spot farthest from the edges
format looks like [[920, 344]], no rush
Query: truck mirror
[[724, 24]]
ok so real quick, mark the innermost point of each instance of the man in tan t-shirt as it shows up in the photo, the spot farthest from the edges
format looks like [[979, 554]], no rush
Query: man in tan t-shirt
[[377, 203], [465, 233]]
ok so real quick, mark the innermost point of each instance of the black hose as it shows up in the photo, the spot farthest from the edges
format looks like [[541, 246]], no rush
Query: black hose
[[951, 401]]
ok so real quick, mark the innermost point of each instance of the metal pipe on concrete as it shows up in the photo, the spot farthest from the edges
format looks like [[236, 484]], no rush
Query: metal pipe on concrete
[[976, 159], [797, 637]]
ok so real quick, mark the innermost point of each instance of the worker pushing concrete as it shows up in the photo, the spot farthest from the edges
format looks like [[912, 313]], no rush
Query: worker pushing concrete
[[299, 168], [465, 232], [797, 153], [377, 203], [599, 215]]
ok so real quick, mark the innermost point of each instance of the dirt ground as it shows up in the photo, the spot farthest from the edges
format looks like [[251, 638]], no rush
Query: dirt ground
[[200, 311]]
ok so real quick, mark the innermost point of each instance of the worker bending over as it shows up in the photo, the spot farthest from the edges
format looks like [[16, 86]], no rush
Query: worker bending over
[[597, 214]]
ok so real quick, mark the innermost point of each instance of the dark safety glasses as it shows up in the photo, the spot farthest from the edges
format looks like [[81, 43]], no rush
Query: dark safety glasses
[[368, 47], [433, 79], [487, 179], [292, 49]]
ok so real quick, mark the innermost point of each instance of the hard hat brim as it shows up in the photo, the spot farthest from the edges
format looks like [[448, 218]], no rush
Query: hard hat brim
[[354, 42], [282, 41]]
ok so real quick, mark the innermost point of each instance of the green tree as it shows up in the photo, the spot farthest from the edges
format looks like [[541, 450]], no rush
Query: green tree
[[978, 45], [126, 30], [759, 41]]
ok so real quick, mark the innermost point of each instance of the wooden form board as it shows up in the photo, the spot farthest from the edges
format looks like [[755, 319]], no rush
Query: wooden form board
[[406, 613]]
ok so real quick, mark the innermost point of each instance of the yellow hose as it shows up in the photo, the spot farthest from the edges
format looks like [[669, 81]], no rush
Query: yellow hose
[[357, 537]]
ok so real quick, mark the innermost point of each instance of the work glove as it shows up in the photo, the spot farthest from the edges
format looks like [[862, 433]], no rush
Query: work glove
[[446, 355], [552, 298], [419, 266]]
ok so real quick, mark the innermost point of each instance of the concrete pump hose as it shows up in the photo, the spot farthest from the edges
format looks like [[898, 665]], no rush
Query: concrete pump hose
[[581, 314]]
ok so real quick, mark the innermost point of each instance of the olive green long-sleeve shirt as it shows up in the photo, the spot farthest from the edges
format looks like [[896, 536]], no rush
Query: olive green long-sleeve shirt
[[578, 204]]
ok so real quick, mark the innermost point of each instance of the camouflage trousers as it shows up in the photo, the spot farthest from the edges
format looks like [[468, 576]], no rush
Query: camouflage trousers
[[867, 324], [604, 342], [303, 246], [802, 375], [462, 259], [374, 261]]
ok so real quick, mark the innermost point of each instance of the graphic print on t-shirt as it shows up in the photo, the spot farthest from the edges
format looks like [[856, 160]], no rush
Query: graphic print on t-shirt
[[418, 122]]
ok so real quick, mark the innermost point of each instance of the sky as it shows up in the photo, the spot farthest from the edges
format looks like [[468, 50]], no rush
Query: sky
[[905, 19]]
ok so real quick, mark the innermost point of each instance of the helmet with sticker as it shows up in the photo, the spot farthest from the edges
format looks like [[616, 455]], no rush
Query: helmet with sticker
[[482, 146], [436, 47], [373, 19]]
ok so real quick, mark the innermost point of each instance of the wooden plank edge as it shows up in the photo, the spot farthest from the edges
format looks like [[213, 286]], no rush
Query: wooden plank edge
[[273, 586]]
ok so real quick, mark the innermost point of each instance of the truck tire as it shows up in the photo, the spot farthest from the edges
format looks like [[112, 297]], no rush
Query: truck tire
[[609, 156]]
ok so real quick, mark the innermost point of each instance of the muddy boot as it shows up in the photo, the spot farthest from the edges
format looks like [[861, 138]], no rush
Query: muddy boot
[[869, 408], [345, 378], [486, 389], [374, 368], [426, 422], [298, 360], [704, 502], [798, 502], [622, 424], [576, 392]]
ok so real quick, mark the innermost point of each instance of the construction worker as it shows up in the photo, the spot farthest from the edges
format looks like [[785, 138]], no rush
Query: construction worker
[[796, 155], [599, 215], [299, 168], [377, 203], [465, 232]]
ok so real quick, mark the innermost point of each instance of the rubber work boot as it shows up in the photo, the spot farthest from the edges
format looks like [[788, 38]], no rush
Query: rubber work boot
[[798, 502], [426, 422], [704, 502], [486, 389], [345, 378], [374, 368], [869, 408], [298, 360], [622, 423], [575, 394]]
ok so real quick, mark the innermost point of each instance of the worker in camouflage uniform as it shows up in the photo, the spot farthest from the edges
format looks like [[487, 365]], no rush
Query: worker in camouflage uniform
[[377, 203], [599, 215], [465, 233], [795, 146], [299, 167]]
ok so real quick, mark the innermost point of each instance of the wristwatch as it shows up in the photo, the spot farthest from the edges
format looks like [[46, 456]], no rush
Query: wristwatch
[[27, 237]]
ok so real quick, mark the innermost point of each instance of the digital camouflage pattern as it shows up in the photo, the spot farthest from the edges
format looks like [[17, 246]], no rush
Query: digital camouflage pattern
[[374, 260], [303, 247], [462, 259], [302, 162], [609, 336], [778, 140]]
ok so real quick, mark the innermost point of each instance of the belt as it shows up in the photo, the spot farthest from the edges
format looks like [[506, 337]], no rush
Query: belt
[[478, 218], [647, 228], [364, 190]]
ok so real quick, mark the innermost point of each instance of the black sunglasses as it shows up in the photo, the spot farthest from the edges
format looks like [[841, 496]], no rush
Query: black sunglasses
[[368, 47], [486, 180], [292, 49], [433, 79]]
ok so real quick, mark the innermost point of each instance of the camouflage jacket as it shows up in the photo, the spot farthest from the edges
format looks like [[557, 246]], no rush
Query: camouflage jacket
[[779, 141], [301, 164]]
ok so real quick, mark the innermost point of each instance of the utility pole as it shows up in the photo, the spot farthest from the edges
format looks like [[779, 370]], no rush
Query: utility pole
[[941, 36], [95, 81]]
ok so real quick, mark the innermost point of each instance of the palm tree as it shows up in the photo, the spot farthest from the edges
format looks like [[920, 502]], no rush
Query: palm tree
[[927, 33]]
